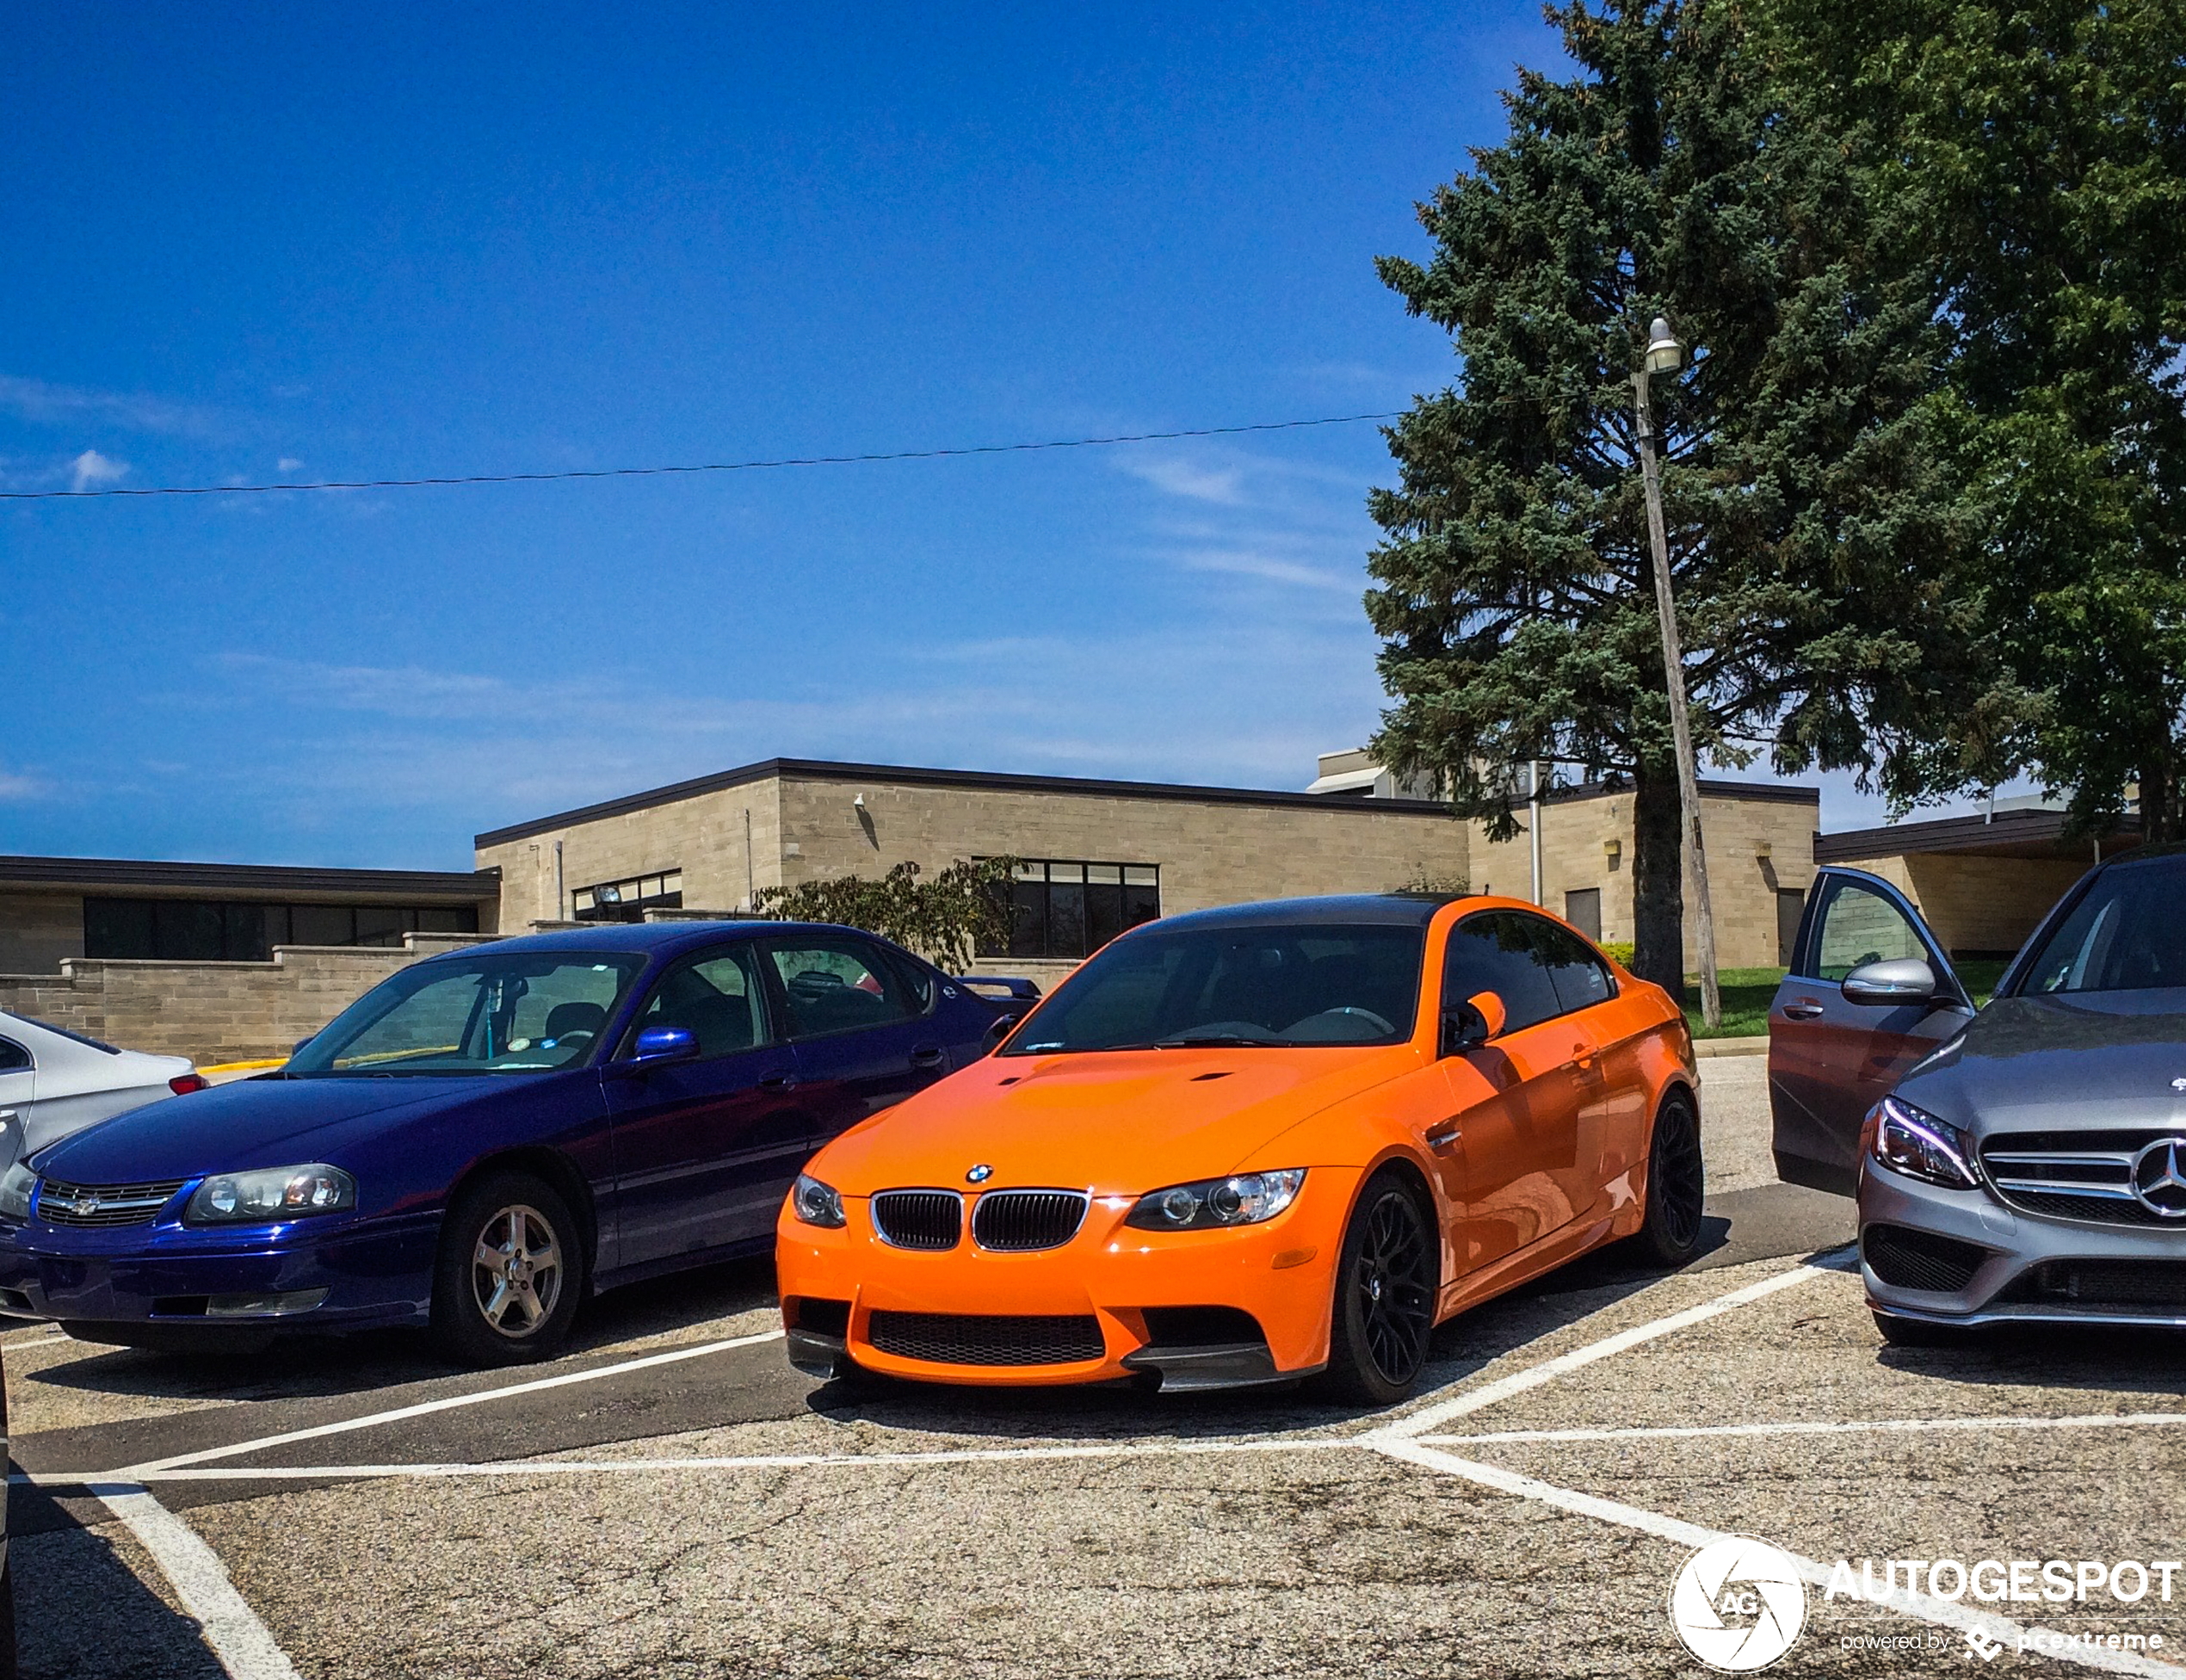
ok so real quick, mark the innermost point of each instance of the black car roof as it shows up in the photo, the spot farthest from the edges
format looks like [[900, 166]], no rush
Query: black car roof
[[1392, 909]]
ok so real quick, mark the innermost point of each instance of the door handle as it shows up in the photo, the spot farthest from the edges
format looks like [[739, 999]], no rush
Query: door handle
[[927, 1055], [1443, 1136], [779, 1082], [1804, 1011]]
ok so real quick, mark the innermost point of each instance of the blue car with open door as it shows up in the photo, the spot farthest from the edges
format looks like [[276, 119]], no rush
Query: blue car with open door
[[486, 1138]]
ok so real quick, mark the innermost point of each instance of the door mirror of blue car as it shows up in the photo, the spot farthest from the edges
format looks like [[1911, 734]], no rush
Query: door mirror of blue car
[[665, 1044]]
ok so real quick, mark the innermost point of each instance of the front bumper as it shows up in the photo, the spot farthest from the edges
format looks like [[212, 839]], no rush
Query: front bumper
[[363, 1273], [2028, 1262], [1281, 1274]]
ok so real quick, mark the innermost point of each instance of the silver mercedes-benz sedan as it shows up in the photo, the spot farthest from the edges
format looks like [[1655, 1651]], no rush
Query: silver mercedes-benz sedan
[[2027, 1161]]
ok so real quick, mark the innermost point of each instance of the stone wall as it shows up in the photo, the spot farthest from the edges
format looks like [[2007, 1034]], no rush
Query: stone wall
[[1987, 904], [37, 929], [1586, 844], [1210, 852], [213, 1012]]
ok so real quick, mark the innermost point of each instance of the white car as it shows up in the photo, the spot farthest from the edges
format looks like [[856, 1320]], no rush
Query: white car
[[53, 1083]]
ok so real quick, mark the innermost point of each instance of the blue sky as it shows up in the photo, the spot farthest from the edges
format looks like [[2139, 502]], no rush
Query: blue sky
[[245, 245]]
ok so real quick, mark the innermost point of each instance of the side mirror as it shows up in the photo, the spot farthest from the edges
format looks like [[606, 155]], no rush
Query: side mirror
[[1900, 980], [1474, 1022], [665, 1044]]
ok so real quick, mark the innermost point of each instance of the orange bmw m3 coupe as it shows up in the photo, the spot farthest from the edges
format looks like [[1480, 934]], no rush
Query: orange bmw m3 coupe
[[1251, 1144]]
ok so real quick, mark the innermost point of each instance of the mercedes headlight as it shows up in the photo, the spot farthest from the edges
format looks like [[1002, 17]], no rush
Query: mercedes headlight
[[815, 1203], [1244, 1198], [1914, 1142], [15, 1186], [270, 1194]]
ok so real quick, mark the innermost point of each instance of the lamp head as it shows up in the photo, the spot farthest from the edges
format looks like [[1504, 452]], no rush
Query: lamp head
[[1664, 353]]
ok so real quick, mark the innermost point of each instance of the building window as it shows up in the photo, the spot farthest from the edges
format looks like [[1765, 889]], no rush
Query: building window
[[205, 931], [1069, 910], [629, 900]]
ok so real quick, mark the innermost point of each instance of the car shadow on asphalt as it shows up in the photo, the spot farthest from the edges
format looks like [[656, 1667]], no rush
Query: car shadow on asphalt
[[1125, 1411], [313, 1367], [80, 1609], [2109, 1359]]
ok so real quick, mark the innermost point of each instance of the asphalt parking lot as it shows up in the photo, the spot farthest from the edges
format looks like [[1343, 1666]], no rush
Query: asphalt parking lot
[[670, 1500]]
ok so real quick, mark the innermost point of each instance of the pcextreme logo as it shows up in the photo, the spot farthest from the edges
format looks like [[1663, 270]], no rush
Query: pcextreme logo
[[1739, 1604]]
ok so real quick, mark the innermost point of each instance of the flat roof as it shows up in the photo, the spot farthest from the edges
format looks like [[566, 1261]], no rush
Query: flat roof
[[263, 881], [2005, 834], [820, 769]]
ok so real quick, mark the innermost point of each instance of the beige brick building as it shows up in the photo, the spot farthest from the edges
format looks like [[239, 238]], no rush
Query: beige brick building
[[1104, 855]]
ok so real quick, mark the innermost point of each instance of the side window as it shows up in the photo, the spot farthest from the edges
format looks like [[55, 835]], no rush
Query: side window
[[13, 1056], [837, 986], [1578, 976], [916, 978], [1499, 953], [1858, 926], [713, 996]]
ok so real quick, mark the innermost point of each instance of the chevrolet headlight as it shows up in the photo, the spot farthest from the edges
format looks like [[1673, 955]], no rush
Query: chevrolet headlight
[[1244, 1198], [15, 1186], [270, 1194], [1914, 1142], [815, 1203]]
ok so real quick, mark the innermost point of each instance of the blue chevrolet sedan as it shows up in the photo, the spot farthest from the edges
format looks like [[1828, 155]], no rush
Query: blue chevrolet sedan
[[487, 1136]]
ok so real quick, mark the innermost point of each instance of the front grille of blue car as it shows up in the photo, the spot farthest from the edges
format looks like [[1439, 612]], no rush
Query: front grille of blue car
[[99, 1207]]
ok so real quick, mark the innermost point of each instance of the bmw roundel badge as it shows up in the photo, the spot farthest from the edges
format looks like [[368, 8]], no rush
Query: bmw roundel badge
[[980, 1174]]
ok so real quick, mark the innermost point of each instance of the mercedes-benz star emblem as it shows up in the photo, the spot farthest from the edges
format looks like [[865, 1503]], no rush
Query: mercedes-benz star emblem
[[980, 1174], [2159, 1178]]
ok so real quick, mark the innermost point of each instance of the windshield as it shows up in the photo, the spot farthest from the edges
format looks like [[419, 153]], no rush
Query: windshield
[[479, 1013], [2128, 934], [1235, 986]]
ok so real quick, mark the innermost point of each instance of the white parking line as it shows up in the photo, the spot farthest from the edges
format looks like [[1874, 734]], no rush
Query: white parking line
[[595, 1466], [1943, 1612], [2094, 1420], [138, 1471], [1420, 1423], [246, 1649]]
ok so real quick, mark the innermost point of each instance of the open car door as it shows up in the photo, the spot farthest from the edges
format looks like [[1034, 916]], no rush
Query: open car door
[[1869, 993]]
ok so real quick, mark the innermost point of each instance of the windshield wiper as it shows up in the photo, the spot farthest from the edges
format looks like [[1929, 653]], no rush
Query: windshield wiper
[[1219, 1041]]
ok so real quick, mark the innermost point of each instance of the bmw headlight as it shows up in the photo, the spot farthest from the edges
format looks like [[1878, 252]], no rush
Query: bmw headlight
[[815, 1203], [1914, 1142], [270, 1194], [15, 1186], [1244, 1198]]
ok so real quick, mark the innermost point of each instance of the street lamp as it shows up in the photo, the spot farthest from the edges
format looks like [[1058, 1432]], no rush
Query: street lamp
[[1665, 354]]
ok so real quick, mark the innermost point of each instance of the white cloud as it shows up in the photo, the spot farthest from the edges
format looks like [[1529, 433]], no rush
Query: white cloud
[[1224, 485], [91, 469], [16, 787], [45, 405], [288, 464]]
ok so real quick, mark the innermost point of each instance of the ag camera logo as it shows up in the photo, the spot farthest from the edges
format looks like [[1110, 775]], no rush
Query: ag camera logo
[[1739, 1604]]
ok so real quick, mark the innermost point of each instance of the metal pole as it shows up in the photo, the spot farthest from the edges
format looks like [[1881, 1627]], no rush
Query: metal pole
[[1533, 781], [1673, 658]]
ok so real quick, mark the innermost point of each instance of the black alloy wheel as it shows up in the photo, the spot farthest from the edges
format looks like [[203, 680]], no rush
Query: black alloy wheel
[[1677, 1184], [1385, 1282]]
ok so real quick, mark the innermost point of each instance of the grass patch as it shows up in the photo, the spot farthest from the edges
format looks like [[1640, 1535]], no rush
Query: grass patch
[[1747, 993]]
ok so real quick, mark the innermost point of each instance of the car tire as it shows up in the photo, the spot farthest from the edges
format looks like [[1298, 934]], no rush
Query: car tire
[[510, 1272], [1669, 1232], [8, 1620], [1388, 1275], [1919, 1333]]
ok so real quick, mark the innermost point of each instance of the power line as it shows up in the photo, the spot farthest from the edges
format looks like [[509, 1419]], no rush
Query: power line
[[698, 466]]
